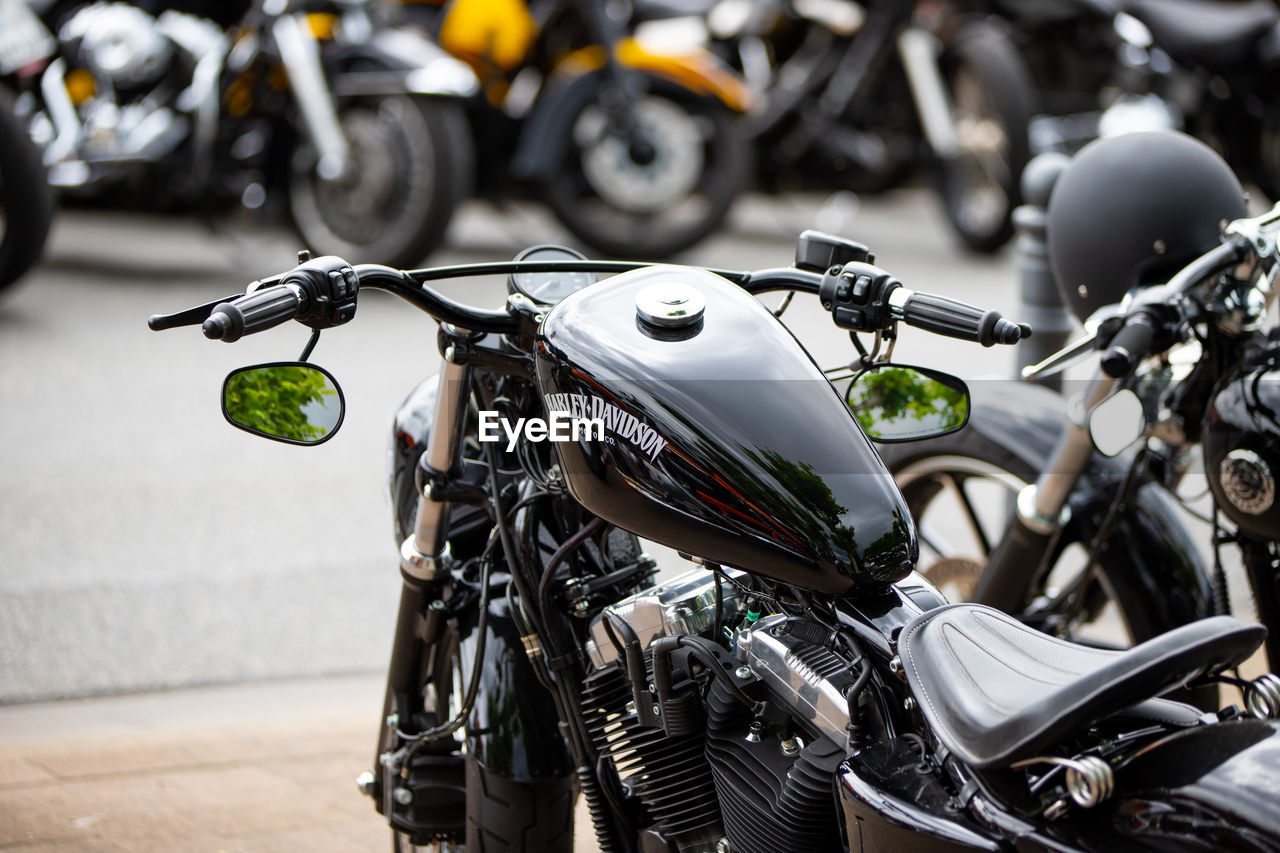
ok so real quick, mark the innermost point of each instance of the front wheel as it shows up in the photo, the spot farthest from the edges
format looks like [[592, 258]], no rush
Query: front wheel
[[992, 102], [658, 189], [960, 491], [409, 168]]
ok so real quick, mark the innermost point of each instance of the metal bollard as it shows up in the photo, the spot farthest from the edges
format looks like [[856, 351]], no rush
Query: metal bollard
[[1042, 304]]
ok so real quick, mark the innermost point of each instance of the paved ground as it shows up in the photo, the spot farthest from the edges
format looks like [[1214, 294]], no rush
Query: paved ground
[[259, 767]]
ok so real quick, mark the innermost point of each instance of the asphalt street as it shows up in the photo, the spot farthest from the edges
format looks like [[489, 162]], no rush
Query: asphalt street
[[146, 544]]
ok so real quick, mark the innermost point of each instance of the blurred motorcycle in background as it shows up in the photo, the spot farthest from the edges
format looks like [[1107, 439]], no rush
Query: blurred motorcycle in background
[[26, 200], [1041, 508], [354, 125], [857, 96], [1206, 67], [634, 145]]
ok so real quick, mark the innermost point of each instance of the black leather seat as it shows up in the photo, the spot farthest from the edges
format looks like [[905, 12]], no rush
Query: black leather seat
[[1212, 33], [995, 690]]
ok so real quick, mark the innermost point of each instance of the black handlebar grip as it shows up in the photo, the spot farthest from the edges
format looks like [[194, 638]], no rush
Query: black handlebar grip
[[944, 316], [1130, 346], [253, 312]]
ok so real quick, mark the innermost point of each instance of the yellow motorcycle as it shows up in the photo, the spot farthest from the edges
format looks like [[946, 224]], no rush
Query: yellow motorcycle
[[634, 145]]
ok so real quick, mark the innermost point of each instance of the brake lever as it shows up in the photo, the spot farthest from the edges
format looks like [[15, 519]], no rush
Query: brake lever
[[1063, 359], [190, 317]]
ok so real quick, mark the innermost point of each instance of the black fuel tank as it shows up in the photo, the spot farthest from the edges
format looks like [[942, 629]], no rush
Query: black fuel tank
[[722, 438]]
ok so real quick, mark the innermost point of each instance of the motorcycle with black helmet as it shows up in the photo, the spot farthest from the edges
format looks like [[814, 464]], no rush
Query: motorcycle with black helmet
[[1151, 249]]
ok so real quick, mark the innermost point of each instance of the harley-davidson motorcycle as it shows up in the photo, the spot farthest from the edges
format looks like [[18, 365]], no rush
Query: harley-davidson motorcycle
[[635, 145], [1054, 509], [802, 688], [313, 105]]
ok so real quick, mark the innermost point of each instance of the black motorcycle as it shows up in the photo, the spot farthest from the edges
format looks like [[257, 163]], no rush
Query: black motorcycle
[[1207, 67], [1063, 513], [860, 96], [801, 689], [311, 105]]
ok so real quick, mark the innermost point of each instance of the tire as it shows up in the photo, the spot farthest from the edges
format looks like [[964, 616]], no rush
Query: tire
[[934, 475], [626, 209], [506, 816], [503, 815], [26, 199], [412, 165], [992, 100]]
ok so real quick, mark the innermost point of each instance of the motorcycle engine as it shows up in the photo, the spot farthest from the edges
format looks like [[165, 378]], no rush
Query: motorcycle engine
[[119, 43], [760, 786]]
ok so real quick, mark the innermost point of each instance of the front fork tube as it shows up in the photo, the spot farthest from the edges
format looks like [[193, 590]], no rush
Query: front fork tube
[[424, 556], [300, 53], [1013, 564], [919, 51]]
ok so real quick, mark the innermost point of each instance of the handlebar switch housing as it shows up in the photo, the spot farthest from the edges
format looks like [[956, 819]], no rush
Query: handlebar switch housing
[[857, 295], [819, 252], [330, 285]]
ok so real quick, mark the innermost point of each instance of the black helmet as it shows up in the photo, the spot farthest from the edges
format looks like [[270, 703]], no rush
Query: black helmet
[[1134, 209]]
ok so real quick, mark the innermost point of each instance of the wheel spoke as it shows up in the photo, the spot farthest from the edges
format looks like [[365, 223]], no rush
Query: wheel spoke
[[956, 488]]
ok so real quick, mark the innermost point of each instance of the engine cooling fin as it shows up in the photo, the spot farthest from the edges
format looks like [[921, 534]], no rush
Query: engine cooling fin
[[669, 775], [771, 802]]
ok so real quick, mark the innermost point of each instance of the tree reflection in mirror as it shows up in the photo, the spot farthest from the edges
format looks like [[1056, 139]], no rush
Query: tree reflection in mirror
[[894, 402], [291, 402]]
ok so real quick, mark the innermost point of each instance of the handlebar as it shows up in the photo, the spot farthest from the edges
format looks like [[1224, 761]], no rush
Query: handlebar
[[865, 298], [321, 293], [1133, 343], [955, 319], [1151, 312], [254, 312]]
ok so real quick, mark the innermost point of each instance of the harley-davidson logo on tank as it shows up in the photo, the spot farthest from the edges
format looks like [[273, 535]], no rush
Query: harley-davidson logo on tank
[[623, 424]]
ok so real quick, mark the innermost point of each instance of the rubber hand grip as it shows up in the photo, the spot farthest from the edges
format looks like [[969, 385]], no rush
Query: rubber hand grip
[[253, 312], [1130, 346], [944, 316]]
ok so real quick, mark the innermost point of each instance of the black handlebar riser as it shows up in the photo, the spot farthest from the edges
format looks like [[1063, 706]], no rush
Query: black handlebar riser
[[955, 319], [262, 309], [1130, 345]]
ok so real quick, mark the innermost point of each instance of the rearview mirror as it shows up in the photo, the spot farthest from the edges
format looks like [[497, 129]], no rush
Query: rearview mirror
[[894, 403], [292, 402], [1117, 422]]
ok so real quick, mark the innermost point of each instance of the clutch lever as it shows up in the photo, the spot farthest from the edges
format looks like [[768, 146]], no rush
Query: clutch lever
[[190, 317], [196, 316]]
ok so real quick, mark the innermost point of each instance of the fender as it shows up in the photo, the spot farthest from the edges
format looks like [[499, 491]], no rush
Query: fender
[[512, 727], [1158, 559], [1222, 777], [396, 62], [577, 78]]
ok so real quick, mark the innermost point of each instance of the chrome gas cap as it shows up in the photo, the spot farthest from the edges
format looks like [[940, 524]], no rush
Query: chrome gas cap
[[670, 305]]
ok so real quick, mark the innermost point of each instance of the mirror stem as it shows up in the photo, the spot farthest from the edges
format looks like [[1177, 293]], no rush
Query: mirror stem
[[311, 345]]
